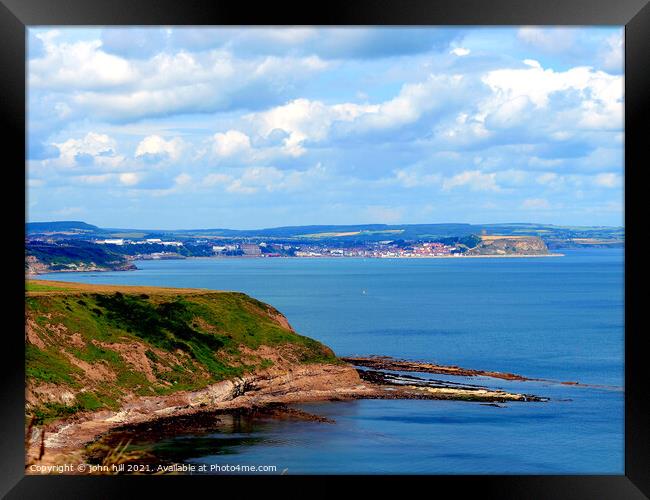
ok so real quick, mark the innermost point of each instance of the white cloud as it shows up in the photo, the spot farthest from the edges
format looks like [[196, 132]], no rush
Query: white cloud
[[79, 65], [230, 143], [599, 105], [154, 146], [532, 63], [93, 147], [474, 179], [306, 120], [538, 83], [465, 129], [608, 180], [129, 178], [116, 88], [460, 51], [414, 100], [511, 113], [255, 178]]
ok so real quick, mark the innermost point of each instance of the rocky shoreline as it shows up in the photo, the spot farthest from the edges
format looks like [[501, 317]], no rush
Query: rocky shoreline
[[401, 365], [66, 441]]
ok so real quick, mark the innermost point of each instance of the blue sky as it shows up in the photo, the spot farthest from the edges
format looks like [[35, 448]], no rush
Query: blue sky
[[262, 127]]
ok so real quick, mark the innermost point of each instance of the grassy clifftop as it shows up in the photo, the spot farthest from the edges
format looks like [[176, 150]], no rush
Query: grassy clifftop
[[91, 347]]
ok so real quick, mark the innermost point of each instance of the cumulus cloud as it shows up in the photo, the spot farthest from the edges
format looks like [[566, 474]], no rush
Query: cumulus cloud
[[118, 88], [230, 143], [155, 148], [460, 51], [79, 65], [89, 149], [597, 96], [305, 120], [302, 120]]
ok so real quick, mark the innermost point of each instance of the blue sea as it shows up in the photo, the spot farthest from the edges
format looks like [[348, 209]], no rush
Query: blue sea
[[557, 318]]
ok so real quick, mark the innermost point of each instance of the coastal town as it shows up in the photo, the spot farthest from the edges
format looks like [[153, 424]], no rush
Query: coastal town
[[380, 249], [62, 246]]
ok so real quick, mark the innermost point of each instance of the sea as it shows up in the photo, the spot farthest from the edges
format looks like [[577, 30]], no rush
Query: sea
[[554, 318]]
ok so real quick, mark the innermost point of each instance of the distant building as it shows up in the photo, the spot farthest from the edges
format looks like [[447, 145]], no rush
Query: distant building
[[251, 249], [117, 241], [153, 240]]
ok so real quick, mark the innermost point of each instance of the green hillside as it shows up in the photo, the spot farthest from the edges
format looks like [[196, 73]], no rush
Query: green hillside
[[90, 347], [60, 226]]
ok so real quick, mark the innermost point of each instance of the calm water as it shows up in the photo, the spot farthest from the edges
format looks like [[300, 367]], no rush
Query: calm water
[[556, 318]]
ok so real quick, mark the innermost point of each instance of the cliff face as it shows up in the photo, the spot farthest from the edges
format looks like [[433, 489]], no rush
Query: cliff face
[[509, 245], [42, 257], [92, 348], [34, 266]]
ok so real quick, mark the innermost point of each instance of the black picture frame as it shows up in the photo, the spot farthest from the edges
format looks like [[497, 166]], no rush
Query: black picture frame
[[16, 15]]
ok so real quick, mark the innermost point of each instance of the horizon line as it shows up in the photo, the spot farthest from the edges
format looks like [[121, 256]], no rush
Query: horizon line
[[339, 225]]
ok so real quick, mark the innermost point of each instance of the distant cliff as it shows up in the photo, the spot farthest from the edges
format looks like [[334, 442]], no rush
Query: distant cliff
[[509, 245], [43, 257]]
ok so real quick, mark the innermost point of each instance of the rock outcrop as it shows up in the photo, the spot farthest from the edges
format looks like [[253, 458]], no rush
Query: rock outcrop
[[509, 245]]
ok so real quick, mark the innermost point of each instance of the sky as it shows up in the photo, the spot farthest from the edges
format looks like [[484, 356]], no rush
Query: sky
[[243, 128]]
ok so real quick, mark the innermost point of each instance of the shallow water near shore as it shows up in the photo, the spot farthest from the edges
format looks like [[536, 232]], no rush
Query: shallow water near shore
[[558, 318]]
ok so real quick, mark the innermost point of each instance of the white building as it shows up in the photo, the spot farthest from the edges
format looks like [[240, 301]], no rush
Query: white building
[[117, 241]]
